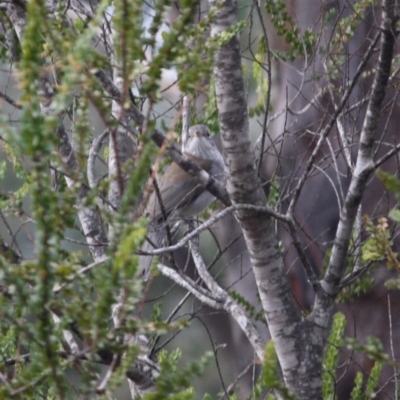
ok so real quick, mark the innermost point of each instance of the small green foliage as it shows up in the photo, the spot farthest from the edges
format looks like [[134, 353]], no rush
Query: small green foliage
[[373, 348], [393, 284], [378, 247], [12, 153], [261, 84], [363, 283], [174, 382], [210, 109], [373, 380], [380, 234], [344, 29], [132, 238], [325, 262], [372, 383], [390, 181], [269, 378], [379, 244], [394, 215], [330, 15], [332, 356], [356, 393], [138, 178], [128, 33], [274, 191], [156, 315], [7, 341], [270, 374], [249, 307], [300, 44], [359, 287]]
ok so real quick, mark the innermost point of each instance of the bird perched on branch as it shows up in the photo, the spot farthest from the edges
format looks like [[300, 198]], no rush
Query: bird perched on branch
[[181, 194]]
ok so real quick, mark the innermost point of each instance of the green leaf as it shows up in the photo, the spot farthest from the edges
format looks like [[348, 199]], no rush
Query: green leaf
[[332, 356], [394, 215]]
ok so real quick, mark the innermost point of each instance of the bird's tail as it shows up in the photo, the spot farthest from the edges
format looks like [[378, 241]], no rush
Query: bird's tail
[[154, 240]]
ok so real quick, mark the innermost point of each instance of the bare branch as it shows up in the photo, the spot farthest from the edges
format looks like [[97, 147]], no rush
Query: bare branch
[[93, 152], [228, 304], [9, 100], [185, 282], [185, 121], [324, 134], [211, 221], [363, 168]]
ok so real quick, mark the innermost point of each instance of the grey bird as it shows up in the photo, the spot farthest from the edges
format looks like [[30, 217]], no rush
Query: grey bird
[[182, 196]]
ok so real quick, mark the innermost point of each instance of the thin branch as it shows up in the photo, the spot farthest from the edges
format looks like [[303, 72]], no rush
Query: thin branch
[[185, 121], [228, 304], [93, 152], [396, 379], [82, 271], [332, 121], [213, 220], [386, 157], [11, 101], [236, 381], [364, 165], [190, 285], [268, 97], [312, 277], [354, 275]]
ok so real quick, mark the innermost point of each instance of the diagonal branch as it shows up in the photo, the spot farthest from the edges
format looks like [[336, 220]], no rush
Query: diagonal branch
[[363, 168], [228, 304], [325, 132], [211, 221]]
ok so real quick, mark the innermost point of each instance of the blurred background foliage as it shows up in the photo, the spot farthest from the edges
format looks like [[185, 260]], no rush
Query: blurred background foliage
[[163, 51]]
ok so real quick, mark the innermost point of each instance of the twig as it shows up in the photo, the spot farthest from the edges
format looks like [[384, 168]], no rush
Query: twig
[[396, 381], [188, 284], [9, 100], [93, 152], [330, 124], [364, 165], [212, 221], [228, 304], [268, 97], [185, 121], [81, 272]]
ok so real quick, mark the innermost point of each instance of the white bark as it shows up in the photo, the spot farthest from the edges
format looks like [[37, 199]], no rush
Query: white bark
[[286, 327], [363, 169], [228, 304]]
